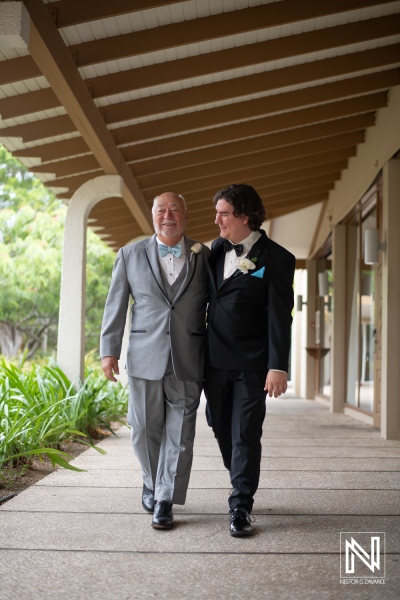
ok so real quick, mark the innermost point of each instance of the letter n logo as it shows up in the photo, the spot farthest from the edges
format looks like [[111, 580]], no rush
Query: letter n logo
[[362, 554], [372, 560]]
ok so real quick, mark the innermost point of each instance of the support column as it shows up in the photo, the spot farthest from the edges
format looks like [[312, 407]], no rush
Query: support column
[[338, 375], [390, 421], [71, 326], [296, 350], [310, 335]]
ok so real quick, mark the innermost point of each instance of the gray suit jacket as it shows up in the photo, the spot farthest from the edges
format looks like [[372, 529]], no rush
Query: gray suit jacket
[[158, 326]]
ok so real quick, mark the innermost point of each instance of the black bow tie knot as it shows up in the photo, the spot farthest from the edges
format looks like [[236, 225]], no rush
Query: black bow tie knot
[[228, 246]]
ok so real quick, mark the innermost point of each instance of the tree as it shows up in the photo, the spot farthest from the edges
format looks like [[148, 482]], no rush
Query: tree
[[30, 272], [19, 187], [31, 238]]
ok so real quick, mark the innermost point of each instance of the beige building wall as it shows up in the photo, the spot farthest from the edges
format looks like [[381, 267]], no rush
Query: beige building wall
[[390, 390], [373, 157], [381, 143]]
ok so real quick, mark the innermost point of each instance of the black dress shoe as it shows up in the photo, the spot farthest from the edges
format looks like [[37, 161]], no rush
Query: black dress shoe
[[162, 518], [148, 499], [240, 523]]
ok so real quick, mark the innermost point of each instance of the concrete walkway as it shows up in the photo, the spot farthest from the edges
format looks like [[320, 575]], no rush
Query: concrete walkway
[[85, 536]]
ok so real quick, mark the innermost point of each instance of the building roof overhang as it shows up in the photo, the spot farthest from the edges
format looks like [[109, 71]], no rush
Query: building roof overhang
[[192, 96]]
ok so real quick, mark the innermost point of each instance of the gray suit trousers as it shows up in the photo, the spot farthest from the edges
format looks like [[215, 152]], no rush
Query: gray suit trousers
[[162, 415]]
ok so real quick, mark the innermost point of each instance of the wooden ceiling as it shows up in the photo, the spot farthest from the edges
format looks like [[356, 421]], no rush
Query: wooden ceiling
[[192, 96]]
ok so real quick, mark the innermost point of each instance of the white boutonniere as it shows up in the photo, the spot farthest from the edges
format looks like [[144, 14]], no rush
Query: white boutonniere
[[245, 265], [195, 249]]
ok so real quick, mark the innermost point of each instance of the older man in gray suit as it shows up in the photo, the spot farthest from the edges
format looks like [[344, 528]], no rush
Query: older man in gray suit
[[166, 278]]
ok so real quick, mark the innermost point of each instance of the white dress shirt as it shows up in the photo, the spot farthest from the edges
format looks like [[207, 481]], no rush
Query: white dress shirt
[[171, 265], [231, 260]]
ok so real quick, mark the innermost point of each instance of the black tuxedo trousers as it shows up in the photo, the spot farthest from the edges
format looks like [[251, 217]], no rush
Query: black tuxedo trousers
[[249, 319], [236, 411]]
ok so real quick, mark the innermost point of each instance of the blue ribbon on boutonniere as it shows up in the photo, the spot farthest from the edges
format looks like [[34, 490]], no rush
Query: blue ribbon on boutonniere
[[259, 273]]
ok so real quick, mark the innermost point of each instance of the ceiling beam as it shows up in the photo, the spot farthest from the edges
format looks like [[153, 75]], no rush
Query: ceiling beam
[[108, 204], [263, 106], [74, 12], [250, 147], [72, 183], [41, 129], [113, 215], [195, 66], [296, 177], [156, 183], [50, 54], [241, 147], [55, 150], [71, 166], [44, 99], [215, 92], [243, 56], [211, 27], [252, 173], [249, 128], [228, 113], [264, 158], [217, 135], [291, 170]]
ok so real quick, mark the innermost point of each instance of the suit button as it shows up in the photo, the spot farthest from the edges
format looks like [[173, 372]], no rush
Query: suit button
[[167, 332], [172, 307]]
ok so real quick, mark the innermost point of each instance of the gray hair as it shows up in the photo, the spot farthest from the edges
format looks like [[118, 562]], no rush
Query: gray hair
[[178, 195]]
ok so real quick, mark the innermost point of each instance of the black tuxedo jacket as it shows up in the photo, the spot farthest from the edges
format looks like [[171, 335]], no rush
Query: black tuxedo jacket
[[250, 315]]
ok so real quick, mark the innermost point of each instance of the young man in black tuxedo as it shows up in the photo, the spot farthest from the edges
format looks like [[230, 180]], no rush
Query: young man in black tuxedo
[[248, 339]]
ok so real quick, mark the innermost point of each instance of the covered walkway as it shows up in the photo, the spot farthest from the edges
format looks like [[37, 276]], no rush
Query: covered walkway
[[85, 535]]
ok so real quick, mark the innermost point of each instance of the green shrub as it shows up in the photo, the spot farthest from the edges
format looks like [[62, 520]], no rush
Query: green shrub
[[40, 408]]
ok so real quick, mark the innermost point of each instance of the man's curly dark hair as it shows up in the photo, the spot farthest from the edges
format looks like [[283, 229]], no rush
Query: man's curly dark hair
[[245, 201]]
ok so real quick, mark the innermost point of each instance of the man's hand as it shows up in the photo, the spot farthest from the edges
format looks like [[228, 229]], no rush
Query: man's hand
[[109, 364], [276, 383]]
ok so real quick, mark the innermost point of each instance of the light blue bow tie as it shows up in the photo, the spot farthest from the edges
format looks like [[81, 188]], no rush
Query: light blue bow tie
[[164, 250]]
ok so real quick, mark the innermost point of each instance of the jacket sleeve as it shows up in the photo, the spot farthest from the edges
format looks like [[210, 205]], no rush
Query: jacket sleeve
[[115, 311], [280, 307]]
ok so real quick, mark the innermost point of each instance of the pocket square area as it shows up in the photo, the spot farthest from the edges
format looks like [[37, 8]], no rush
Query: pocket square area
[[259, 273]]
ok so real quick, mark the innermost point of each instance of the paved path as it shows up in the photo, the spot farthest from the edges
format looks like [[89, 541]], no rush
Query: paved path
[[85, 536]]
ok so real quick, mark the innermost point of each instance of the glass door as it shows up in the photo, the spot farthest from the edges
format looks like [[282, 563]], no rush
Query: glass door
[[361, 330]]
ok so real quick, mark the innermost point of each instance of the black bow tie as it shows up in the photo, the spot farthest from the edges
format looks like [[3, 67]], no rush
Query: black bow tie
[[228, 246]]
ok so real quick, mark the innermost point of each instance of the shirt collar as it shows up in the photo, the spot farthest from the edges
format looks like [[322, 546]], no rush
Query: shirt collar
[[249, 242]]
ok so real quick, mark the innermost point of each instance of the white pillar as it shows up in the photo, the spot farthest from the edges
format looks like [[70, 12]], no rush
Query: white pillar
[[304, 333], [338, 349], [390, 421], [71, 326], [310, 333], [296, 336]]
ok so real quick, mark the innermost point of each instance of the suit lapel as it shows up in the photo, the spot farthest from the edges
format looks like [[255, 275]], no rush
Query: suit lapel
[[189, 266], [216, 266], [151, 249], [258, 247], [216, 261]]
